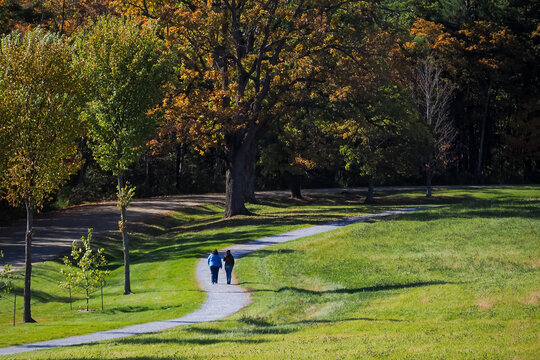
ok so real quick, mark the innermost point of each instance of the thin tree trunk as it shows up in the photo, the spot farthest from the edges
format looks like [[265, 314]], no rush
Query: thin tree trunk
[[179, 170], [148, 176], [27, 316], [102, 295], [125, 239], [371, 190], [483, 134], [251, 164], [63, 17], [14, 307], [87, 300], [82, 172], [294, 185], [235, 184], [429, 175]]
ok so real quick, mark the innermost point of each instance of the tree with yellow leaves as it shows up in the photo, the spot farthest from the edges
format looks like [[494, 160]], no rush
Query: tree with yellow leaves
[[39, 106]]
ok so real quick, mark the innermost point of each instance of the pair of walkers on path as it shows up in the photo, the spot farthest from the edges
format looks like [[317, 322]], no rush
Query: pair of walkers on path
[[215, 263]]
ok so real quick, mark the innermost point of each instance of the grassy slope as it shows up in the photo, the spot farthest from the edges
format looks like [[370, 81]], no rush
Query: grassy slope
[[461, 281], [164, 255]]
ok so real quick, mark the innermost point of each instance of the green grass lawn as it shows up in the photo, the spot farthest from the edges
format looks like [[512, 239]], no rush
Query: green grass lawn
[[164, 254], [458, 281]]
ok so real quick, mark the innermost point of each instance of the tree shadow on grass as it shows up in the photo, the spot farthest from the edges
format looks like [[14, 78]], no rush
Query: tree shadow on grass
[[308, 322], [154, 357], [360, 290], [485, 209], [265, 253], [183, 341], [302, 213], [42, 296], [392, 199], [176, 245], [256, 327], [260, 326]]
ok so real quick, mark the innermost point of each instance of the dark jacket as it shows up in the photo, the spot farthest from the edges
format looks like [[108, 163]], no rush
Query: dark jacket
[[229, 260]]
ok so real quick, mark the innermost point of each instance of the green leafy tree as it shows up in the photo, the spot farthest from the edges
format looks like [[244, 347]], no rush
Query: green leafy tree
[[39, 106], [126, 66], [87, 273]]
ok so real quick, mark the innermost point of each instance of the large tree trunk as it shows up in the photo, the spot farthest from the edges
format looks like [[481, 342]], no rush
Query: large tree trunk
[[294, 185], [235, 183], [371, 190], [251, 164], [27, 316], [429, 175], [125, 240], [179, 170]]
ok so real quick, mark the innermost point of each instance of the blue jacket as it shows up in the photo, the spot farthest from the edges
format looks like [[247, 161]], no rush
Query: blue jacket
[[214, 260]]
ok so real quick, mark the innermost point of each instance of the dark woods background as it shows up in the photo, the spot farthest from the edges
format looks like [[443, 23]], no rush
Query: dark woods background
[[489, 50]]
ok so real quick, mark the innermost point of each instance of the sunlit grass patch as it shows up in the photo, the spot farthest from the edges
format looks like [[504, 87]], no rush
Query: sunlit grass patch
[[455, 282], [164, 254]]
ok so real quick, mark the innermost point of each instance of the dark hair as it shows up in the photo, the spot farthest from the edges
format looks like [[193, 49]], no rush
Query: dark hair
[[228, 252], [215, 252]]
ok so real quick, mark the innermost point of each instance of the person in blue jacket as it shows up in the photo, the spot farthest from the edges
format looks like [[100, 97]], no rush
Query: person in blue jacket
[[215, 264]]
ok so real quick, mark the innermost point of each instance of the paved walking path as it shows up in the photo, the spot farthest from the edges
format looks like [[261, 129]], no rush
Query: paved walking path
[[55, 231], [222, 301]]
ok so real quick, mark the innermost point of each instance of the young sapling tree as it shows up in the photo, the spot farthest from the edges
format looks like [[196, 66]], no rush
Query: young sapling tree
[[84, 269], [5, 277], [69, 280], [6, 284]]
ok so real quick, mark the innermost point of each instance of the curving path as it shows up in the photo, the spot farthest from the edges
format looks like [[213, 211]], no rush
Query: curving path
[[55, 231], [222, 301]]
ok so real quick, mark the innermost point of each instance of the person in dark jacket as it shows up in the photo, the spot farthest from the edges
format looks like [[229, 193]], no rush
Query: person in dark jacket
[[215, 264], [229, 263]]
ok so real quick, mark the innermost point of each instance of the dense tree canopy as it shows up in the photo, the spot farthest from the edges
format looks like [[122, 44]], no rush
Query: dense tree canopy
[[126, 67], [254, 79], [39, 106]]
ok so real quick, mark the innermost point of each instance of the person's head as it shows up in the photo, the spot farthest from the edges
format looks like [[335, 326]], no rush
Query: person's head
[[215, 252], [228, 252]]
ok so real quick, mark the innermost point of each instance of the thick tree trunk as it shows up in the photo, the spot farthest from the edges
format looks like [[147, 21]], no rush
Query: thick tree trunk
[[235, 184], [27, 316], [180, 154], [429, 175], [294, 185], [125, 240], [371, 190], [251, 164]]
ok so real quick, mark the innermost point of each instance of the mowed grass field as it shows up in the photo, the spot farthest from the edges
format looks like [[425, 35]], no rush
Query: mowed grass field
[[164, 254], [461, 281]]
